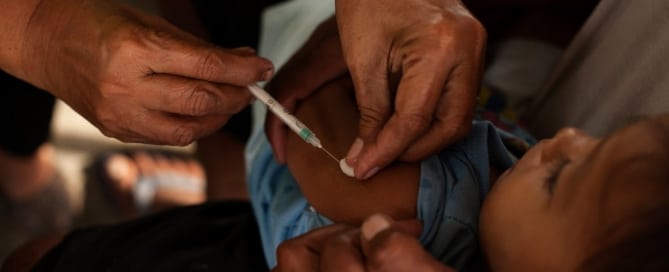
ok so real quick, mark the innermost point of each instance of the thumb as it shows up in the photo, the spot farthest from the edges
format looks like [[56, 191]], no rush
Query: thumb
[[392, 246], [374, 104], [377, 228]]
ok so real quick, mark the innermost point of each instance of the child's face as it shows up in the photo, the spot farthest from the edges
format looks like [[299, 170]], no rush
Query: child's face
[[543, 212]]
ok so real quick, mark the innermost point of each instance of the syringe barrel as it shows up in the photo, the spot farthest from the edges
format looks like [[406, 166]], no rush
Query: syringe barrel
[[290, 120]]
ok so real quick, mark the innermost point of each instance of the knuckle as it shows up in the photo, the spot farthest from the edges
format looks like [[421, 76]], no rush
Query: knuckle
[[183, 135], [371, 117], [209, 64], [199, 101], [127, 46], [127, 39], [388, 250], [453, 30], [568, 132]]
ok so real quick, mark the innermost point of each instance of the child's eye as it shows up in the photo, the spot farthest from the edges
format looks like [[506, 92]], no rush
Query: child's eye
[[554, 174]]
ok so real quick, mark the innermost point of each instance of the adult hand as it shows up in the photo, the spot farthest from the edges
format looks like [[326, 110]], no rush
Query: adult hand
[[416, 66], [133, 75], [318, 62], [379, 245]]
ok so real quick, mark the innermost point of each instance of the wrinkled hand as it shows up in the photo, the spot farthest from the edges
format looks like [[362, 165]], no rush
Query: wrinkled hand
[[379, 245], [135, 76], [416, 66], [318, 62]]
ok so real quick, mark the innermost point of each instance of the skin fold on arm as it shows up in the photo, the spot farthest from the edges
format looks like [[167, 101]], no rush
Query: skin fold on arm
[[331, 113]]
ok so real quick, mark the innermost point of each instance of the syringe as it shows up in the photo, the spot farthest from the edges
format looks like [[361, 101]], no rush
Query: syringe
[[290, 120]]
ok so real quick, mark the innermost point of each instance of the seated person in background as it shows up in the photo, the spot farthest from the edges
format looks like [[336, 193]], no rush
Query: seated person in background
[[445, 191], [572, 203]]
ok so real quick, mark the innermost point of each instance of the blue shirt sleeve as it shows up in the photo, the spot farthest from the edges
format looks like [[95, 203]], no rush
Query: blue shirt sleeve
[[453, 185]]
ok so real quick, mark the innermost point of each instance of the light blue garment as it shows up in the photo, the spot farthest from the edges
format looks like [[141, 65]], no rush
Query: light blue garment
[[453, 184]]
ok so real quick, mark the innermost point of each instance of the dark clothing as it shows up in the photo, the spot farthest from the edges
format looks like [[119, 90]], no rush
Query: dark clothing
[[221, 236], [26, 116], [231, 24], [26, 110]]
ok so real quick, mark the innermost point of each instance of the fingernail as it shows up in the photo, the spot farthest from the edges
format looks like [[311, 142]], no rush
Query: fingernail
[[371, 173], [248, 50], [375, 224], [268, 74], [244, 50], [352, 155], [345, 168]]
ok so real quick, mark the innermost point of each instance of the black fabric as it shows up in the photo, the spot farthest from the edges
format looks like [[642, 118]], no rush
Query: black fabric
[[26, 116], [231, 24], [220, 236]]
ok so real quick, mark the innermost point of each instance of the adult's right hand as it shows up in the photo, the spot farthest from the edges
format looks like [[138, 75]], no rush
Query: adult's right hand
[[380, 244], [133, 75]]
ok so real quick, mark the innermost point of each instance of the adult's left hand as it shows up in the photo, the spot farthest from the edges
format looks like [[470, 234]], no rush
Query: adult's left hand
[[416, 68], [379, 245]]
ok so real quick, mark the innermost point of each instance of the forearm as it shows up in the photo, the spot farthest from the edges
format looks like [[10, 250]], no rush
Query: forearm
[[36, 30], [16, 15]]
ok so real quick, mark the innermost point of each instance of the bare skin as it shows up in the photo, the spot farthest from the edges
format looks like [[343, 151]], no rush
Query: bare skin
[[331, 113], [568, 190], [415, 67], [134, 76], [565, 192]]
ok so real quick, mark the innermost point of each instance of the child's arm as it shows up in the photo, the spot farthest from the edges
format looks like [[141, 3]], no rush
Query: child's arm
[[332, 114]]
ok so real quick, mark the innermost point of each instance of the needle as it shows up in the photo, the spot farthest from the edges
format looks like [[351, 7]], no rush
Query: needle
[[330, 154]]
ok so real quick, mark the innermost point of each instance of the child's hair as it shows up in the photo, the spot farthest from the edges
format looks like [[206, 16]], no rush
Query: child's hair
[[639, 242]]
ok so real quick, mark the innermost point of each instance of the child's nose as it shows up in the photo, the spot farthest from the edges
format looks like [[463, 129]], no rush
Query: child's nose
[[570, 143]]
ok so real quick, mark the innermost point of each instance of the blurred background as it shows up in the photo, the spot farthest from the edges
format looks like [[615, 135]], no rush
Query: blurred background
[[76, 143]]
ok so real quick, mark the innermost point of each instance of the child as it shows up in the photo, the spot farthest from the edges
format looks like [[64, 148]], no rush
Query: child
[[445, 191], [576, 203]]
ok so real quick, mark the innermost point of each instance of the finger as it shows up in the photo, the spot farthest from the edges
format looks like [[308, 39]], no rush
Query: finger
[[380, 222], [418, 92], [303, 252], [374, 104], [184, 96], [165, 129], [243, 51], [342, 252], [453, 116], [207, 62], [388, 248]]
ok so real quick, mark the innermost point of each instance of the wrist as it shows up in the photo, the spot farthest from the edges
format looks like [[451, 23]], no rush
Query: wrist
[[52, 25]]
